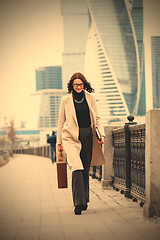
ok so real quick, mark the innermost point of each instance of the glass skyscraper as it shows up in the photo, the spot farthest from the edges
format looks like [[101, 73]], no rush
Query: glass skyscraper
[[49, 108], [155, 48], [113, 54], [44, 108], [135, 11], [49, 78], [45, 102], [76, 26]]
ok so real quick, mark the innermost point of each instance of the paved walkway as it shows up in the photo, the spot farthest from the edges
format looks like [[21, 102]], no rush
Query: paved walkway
[[32, 207]]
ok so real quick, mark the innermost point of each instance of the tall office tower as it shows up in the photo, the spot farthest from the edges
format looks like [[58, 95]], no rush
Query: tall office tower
[[135, 12], [44, 108], [49, 78], [114, 56], [155, 48], [151, 23], [44, 104], [76, 23]]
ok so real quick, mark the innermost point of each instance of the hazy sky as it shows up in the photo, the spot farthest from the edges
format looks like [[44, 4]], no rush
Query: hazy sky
[[31, 36]]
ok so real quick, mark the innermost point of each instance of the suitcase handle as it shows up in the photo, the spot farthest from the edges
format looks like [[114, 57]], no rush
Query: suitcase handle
[[60, 158]]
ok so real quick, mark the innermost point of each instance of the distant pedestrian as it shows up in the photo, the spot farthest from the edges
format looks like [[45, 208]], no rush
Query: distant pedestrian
[[52, 140]]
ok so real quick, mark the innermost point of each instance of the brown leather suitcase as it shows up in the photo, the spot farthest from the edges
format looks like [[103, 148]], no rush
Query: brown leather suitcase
[[61, 170]]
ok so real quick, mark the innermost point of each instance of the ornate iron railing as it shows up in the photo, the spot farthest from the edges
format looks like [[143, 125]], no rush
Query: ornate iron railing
[[137, 144], [119, 159], [129, 160]]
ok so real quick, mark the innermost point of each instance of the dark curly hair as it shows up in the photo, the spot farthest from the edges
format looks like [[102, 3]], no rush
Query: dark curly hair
[[78, 75]]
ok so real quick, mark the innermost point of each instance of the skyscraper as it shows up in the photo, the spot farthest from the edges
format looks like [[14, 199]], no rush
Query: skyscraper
[[45, 102], [152, 52], [49, 78], [44, 108], [113, 56], [135, 12], [155, 48], [76, 25]]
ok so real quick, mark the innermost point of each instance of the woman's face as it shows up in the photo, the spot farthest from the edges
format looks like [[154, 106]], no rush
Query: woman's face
[[78, 85]]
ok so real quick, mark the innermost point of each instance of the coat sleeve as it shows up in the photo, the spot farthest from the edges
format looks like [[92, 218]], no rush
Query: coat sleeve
[[98, 120], [61, 120]]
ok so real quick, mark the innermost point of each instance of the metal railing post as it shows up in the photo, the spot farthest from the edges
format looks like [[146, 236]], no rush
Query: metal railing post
[[128, 155]]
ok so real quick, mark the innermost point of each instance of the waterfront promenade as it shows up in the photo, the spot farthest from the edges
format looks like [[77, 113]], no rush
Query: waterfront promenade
[[33, 208]]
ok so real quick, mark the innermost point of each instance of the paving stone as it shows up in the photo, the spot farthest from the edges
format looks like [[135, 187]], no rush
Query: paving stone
[[33, 208]]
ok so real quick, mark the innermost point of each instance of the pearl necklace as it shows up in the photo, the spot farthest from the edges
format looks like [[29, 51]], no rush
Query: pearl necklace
[[80, 100]]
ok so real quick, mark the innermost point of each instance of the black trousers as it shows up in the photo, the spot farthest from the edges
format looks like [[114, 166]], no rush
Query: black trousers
[[80, 178]]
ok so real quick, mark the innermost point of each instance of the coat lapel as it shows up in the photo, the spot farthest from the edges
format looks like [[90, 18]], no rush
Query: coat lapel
[[72, 108], [92, 115]]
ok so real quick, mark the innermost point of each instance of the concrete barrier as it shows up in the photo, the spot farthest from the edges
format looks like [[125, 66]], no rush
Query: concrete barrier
[[107, 169], [152, 164]]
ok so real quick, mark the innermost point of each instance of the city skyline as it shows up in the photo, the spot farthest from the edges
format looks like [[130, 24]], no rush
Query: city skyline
[[108, 48], [25, 35], [43, 109]]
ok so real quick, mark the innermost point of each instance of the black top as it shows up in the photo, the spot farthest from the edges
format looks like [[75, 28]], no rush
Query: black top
[[82, 110]]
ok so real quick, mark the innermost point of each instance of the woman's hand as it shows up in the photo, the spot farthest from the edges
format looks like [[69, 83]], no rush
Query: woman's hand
[[60, 148], [102, 140]]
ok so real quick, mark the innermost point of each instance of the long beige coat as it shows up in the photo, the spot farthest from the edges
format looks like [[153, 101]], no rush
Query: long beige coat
[[68, 132]]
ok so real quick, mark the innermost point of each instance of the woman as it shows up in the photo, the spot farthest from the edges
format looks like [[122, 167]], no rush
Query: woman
[[78, 119]]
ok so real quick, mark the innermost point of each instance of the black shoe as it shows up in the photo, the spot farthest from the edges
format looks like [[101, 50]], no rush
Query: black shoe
[[84, 207], [78, 210]]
